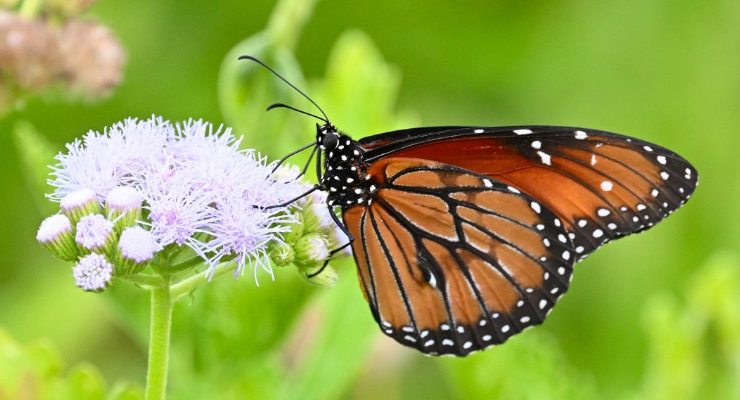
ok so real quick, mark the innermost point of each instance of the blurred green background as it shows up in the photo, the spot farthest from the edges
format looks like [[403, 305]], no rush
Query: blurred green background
[[652, 316]]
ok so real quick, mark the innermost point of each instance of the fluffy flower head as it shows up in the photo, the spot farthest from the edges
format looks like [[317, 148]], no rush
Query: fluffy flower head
[[197, 187]]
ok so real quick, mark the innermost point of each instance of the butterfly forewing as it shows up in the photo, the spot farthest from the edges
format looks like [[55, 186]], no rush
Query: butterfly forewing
[[602, 185], [452, 261]]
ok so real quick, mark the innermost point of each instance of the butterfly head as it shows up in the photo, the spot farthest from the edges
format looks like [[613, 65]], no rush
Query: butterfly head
[[327, 136]]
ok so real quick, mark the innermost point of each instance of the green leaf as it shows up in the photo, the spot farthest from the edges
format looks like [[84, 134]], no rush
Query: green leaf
[[125, 391], [84, 382], [695, 347], [529, 366], [360, 89], [35, 371], [329, 344], [246, 89], [36, 154]]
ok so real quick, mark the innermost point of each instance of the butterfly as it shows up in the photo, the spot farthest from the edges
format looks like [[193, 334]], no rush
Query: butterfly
[[465, 236]]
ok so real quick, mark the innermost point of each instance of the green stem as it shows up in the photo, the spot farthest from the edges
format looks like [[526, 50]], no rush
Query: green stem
[[189, 263], [287, 19], [30, 8], [146, 281], [188, 285], [159, 340]]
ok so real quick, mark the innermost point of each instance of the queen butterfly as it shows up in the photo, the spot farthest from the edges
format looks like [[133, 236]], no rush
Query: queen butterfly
[[465, 236]]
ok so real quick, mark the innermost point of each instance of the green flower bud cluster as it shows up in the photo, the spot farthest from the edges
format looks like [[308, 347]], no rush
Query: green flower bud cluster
[[55, 49], [309, 242], [104, 240]]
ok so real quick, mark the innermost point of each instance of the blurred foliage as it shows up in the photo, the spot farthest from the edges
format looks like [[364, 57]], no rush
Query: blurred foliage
[[36, 371], [666, 74]]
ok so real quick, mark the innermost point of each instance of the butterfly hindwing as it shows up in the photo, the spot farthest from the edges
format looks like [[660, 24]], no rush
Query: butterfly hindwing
[[452, 261]]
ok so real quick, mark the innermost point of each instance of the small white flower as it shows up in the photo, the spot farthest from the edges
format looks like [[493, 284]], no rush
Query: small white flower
[[93, 273]]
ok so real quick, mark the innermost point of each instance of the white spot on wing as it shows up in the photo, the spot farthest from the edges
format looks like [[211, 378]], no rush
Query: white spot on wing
[[522, 131], [536, 207], [537, 144], [545, 157], [487, 183], [661, 159], [580, 135], [606, 186], [478, 131]]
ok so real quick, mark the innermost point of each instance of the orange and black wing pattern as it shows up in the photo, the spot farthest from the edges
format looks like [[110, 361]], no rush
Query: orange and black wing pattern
[[600, 184], [452, 261]]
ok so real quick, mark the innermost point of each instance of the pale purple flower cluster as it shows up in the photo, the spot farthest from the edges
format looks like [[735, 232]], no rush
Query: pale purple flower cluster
[[199, 189]]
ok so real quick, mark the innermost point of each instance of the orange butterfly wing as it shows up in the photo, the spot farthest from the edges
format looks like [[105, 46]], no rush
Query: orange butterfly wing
[[451, 261], [602, 185]]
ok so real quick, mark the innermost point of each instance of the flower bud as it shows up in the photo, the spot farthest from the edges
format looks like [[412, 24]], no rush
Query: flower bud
[[92, 58], [297, 228], [57, 235], [328, 277], [79, 203], [311, 249], [316, 218], [29, 55], [136, 248], [123, 205], [95, 234], [281, 254], [93, 273]]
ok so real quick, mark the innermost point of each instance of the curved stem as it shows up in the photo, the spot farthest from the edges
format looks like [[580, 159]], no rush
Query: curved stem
[[146, 281], [159, 340], [188, 285], [189, 263]]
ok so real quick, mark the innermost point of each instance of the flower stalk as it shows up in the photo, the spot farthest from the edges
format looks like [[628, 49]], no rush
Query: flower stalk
[[159, 340]]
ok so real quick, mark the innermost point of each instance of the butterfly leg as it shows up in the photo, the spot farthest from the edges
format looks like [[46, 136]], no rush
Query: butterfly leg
[[291, 154], [313, 189], [337, 250], [305, 167]]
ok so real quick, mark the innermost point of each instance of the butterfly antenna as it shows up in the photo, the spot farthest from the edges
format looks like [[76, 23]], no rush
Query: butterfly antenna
[[286, 81], [281, 105]]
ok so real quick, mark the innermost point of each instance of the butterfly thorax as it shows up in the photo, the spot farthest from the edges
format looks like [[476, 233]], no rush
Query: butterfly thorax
[[344, 168]]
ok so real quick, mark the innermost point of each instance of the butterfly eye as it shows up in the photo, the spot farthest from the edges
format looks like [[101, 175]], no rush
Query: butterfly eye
[[330, 141]]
